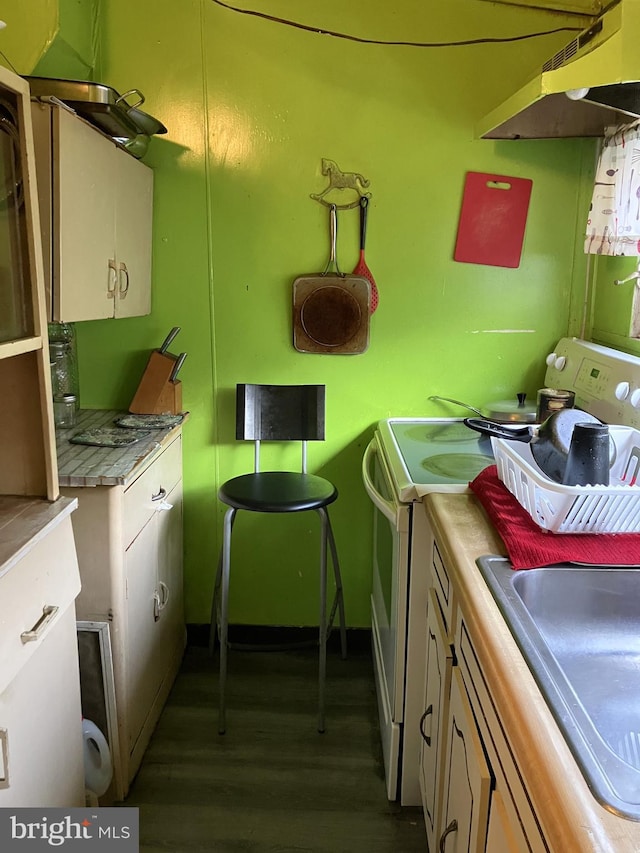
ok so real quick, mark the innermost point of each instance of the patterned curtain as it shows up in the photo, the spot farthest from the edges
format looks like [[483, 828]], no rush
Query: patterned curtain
[[613, 226]]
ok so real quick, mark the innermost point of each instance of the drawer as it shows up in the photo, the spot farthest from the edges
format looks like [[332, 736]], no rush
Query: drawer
[[443, 588], [34, 594], [144, 496]]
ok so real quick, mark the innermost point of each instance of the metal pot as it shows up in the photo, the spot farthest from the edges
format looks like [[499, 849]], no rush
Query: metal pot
[[550, 441], [136, 145], [502, 411]]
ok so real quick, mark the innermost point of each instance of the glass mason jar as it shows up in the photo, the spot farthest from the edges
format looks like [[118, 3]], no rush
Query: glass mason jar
[[64, 361]]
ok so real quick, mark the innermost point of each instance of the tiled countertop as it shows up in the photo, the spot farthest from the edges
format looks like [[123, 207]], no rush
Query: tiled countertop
[[85, 465]]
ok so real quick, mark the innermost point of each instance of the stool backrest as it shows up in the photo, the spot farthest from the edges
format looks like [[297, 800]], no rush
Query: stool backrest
[[280, 413]]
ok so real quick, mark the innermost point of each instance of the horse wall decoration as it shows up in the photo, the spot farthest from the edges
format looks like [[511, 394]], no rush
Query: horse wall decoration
[[340, 181]]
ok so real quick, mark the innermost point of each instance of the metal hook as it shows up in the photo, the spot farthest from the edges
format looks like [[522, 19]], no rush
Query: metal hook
[[634, 276]]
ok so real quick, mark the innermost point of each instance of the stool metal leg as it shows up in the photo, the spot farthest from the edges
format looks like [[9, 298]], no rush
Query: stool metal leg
[[213, 624], [322, 640], [339, 591], [224, 615]]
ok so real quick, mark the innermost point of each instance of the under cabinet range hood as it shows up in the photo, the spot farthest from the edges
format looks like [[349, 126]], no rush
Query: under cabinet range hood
[[591, 84]]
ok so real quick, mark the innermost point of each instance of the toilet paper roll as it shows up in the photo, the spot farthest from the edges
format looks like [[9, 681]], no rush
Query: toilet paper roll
[[98, 768]]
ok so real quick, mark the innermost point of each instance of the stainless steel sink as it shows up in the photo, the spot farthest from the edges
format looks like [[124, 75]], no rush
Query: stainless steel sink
[[578, 628]]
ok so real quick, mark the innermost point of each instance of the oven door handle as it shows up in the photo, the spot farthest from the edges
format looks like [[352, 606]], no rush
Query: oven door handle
[[385, 507]]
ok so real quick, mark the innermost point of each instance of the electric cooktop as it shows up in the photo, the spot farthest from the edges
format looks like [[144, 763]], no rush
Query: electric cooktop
[[433, 454]]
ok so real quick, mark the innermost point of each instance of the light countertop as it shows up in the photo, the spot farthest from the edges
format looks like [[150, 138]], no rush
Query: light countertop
[[24, 521]]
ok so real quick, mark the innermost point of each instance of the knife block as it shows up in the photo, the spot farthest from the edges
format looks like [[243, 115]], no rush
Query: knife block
[[157, 394]]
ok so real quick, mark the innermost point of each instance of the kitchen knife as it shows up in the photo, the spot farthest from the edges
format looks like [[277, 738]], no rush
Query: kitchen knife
[[167, 341], [177, 366]]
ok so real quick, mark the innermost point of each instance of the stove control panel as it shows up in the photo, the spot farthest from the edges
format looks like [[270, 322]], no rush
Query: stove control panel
[[606, 381]]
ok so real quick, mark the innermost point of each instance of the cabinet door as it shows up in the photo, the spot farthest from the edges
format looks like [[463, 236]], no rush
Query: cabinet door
[[462, 827], [503, 834], [169, 588], [143, 658], [83, 222], [133, 218], [434, 719], [41, 760], [155, 620]]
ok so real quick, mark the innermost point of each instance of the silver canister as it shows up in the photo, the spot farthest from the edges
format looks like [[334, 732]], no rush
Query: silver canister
[[551, 400]]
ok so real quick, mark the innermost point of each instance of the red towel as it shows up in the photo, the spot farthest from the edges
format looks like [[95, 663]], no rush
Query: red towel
[[530, 546]]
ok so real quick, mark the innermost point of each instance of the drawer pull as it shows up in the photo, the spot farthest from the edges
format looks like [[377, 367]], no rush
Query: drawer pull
[[111, 281], [427, 713], [4, 759], [48, 615], [160, 600], [123, 276], [453, 827], [161, 505]]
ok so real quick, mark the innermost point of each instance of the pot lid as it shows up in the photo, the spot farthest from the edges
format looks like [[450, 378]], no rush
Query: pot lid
[[512, 410]]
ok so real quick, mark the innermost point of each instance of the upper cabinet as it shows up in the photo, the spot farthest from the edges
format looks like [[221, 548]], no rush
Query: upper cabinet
[[96, 207], [27, 437]]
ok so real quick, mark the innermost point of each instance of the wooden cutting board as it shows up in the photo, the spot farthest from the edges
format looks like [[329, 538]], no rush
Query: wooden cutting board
[[492, 220]]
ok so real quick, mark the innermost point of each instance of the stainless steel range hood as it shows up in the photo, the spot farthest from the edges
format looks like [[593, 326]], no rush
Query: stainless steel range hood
[[604, 59]]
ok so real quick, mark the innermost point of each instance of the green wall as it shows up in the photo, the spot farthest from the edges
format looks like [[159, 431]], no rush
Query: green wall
[[252, 106]]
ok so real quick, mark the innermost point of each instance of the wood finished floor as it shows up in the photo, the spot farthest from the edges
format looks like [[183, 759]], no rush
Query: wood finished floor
[[271, 784]]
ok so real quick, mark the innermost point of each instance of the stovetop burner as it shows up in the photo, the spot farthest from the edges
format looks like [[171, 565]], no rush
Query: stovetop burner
[[459, 467], [448, 432], [437, 454]]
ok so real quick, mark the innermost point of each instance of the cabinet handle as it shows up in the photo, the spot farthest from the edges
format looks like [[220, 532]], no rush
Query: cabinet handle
[[160, 601], [48, 615], [4, 758], [161, 505], [112, 279], [123, 274], [453, 827], [427, 713]]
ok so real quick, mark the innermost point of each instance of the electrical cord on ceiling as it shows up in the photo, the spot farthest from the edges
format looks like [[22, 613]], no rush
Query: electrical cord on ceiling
[[323, 32]]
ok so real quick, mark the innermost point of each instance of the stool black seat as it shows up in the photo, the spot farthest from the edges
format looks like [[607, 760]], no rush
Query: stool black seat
[[277, 491], [279, 413]]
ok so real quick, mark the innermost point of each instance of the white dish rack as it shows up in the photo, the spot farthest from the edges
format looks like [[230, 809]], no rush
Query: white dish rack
[[576, 509]]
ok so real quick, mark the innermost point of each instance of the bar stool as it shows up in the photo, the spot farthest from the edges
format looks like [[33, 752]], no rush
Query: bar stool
[[279, 413]]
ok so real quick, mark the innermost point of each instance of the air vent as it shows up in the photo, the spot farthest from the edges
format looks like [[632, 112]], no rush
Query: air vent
[[562, 56], [568, 52]]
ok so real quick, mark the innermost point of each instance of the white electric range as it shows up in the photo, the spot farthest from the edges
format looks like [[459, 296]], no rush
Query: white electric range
[[411, 457]]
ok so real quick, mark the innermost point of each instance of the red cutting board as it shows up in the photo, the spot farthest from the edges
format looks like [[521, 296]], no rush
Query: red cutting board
[[492, 220]]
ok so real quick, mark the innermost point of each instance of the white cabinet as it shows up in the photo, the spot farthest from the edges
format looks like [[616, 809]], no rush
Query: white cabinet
[[467, 781], [436, 710], [153, 568], [96, 209], [41, 760], [129, 540], [473, 794]]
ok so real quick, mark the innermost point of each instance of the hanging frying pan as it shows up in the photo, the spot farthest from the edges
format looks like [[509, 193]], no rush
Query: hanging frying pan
[[331, 310]]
